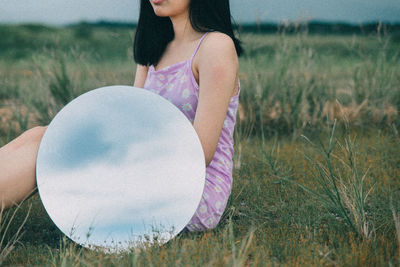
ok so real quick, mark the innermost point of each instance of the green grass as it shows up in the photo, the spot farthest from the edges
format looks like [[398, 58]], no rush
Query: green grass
[[302, 194]]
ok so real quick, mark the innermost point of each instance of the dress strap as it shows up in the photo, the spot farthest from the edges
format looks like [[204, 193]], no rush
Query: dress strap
[[198, 45]]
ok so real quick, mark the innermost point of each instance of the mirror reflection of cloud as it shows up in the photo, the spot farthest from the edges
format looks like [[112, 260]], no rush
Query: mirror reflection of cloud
[[133, 191], [98, 181], [102, 126], [156, 176]]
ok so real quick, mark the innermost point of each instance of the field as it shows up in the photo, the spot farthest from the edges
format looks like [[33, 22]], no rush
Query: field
[[317, 148]]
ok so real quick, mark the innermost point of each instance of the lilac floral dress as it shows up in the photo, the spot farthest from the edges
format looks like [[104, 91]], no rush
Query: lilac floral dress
[[177, 84]]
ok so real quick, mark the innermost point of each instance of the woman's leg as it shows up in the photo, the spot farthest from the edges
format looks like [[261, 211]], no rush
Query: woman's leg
[[18, 167]]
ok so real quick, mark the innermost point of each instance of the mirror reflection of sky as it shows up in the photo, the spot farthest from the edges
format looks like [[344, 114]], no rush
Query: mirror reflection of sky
[[118, 160]]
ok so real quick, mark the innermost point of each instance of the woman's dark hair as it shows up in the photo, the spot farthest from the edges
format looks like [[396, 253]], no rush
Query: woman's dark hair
[[153, 33]]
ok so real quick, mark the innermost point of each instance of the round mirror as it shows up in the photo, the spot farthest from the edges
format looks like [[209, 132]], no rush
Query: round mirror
[[120, 165]]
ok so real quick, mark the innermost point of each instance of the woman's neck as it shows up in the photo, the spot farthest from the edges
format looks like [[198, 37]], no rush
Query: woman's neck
[[183, 29]]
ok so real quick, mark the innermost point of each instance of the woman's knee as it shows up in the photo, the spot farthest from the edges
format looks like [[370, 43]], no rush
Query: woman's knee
[[31, 136], [35, 134]]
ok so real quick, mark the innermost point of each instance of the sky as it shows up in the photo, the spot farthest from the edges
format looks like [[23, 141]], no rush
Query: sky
[[116, 161], [57, 12]]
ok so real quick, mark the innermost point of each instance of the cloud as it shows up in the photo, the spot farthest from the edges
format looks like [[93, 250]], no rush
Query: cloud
[[62, 12], [67, 11]]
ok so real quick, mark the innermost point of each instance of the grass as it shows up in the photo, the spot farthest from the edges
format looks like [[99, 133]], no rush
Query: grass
[[342, 188], [9, 241], [332, 198]]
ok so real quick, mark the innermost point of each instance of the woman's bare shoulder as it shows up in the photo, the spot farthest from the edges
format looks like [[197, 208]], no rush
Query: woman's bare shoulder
[[218, 42], [218, 51]]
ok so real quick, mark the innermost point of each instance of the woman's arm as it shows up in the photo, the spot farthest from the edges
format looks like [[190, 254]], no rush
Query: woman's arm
[[218, 67], [140, 77]]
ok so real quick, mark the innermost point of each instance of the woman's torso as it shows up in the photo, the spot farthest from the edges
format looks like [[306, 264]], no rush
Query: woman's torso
[[177, 84]]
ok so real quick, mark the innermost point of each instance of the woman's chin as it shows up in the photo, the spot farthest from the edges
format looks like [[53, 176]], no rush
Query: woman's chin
[[161, 13]]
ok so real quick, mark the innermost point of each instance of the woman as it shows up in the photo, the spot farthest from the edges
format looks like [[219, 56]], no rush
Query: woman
[[200, 80], [187, 52]]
